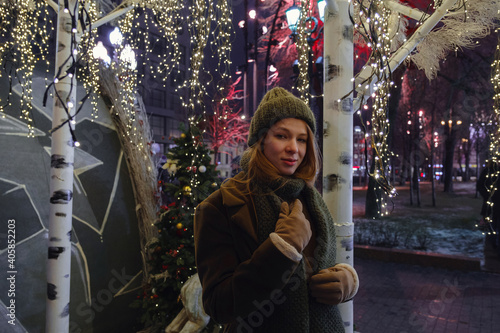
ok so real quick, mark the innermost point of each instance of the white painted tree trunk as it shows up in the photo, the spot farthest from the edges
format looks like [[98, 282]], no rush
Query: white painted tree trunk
[[61, 182], [338, 133]]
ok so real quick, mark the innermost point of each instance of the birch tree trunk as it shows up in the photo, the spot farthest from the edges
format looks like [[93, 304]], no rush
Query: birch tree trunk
[[338, 133], [61, 182]]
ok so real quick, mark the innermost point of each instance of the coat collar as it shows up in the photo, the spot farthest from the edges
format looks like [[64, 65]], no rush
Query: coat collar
[[239, 205]]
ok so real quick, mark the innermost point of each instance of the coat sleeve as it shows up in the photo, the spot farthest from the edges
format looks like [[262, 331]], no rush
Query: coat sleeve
[[234, 288]]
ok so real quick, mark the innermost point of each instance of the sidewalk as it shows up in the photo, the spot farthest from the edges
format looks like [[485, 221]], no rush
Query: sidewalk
[[404, 298]]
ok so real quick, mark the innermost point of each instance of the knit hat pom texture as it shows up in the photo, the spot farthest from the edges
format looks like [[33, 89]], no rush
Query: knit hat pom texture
[[277, 104]]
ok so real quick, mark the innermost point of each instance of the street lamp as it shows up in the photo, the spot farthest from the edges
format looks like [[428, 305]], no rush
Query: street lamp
[[100, 52], [127, 56], [321, 10], [116, 37], [450, 124], [292, 17]]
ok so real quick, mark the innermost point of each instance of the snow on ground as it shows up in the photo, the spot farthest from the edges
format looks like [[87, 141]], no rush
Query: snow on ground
[[448, 228], [456, 242]]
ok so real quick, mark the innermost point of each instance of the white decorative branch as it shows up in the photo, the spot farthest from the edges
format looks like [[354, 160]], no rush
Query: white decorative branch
[[52, 4], [365, 81], [111, 16], [413, 13]]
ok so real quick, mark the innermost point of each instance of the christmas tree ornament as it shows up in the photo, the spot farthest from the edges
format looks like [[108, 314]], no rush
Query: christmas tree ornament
[[186, 190], [214, 184], [183, 135], [202, 169], [155, 148], [171, 166], [179, 225]]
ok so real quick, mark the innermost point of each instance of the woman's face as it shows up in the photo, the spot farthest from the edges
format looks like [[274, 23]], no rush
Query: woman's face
[[285, 145]]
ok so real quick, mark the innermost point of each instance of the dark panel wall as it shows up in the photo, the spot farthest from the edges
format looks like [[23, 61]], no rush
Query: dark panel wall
[[105, 240]]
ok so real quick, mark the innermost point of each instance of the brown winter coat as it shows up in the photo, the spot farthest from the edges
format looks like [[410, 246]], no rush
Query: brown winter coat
[[238, 276]]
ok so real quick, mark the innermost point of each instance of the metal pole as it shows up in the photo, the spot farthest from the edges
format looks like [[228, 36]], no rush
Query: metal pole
[[245, 83], [255, 46], [245, 90], [254, 106], [61, 182], [338, 132]]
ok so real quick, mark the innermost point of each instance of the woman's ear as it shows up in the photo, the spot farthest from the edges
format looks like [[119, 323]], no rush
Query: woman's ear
[[262, 141]]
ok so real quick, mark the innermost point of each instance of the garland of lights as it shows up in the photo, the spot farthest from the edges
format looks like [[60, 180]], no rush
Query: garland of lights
[[80, 52], [303, 50], [494, 149], [90, 76], [373, 24], [25, 26], [377, 27]]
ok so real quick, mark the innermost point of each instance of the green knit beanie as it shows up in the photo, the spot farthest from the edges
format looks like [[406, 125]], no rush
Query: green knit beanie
[[278, 104]]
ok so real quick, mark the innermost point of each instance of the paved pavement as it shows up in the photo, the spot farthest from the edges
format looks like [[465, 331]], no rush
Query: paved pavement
[[405, 298]]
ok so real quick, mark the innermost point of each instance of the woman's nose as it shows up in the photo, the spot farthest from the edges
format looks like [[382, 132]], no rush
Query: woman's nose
[[292, 146]]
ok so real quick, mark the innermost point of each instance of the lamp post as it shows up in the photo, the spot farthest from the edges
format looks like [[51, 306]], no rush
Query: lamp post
[[449, 147], [293, 15], [243, 69], [313, 32], [250, 57]]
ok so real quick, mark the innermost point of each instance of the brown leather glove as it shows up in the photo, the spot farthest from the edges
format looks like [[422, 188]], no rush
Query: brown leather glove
[[334, 285], [292, 226]]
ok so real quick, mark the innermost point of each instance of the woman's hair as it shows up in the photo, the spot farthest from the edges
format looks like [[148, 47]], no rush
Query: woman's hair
[[261, 168]]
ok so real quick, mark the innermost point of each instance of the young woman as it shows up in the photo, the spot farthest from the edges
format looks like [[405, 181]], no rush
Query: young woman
[[265, 241]]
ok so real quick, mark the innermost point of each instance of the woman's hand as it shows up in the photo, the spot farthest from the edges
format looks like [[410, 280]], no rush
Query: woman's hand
[[292, 226], [334, 285]]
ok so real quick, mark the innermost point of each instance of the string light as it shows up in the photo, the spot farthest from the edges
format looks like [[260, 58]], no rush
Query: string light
[[493, 175], [21, 34], [372, 24]]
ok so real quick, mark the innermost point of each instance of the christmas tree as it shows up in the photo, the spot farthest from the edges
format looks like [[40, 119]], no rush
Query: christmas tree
[[191, 178]]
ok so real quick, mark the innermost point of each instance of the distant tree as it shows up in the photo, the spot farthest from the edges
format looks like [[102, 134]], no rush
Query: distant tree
[[412, 104], [464, 81]]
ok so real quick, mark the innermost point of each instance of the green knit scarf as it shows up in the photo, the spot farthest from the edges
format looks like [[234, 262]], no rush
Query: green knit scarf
[[300, 313]]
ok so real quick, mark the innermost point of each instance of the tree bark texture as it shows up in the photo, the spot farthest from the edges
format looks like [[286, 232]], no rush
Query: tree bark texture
[[61, 182], [337, 133]]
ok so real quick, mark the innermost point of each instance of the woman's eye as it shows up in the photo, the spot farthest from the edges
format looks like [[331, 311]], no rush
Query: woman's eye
[[280, 136]]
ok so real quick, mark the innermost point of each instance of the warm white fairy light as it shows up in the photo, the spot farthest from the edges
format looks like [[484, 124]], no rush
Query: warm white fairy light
[[161, 25], [374, 27], [303, 50], [90, 77], [494, 149], [20, 34]]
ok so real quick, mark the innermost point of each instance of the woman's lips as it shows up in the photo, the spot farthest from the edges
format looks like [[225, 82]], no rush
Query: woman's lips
[[290, 162]]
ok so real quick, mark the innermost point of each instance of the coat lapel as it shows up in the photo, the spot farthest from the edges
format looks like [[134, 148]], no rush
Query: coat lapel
[[240, 207]]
